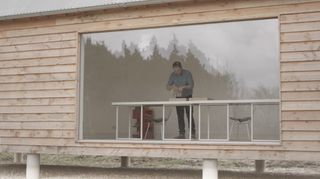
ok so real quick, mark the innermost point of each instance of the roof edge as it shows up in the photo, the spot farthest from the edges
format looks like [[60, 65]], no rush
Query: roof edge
[[85, 9]]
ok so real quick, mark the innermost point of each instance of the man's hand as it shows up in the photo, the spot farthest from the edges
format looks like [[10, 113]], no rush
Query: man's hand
[[181, 88], [172, 88], [175, 89]]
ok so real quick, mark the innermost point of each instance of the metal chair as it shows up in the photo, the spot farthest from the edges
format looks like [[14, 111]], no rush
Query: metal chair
[[240, 121]]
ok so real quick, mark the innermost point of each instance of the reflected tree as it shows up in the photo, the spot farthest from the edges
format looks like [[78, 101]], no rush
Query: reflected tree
[[134, 74], [147, 75]]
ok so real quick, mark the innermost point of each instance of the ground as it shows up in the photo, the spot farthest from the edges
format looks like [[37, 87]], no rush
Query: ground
[[68, 166]]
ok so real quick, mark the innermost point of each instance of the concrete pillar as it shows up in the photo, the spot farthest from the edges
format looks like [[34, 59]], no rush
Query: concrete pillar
[[210, 169], [260, 165], [125, 162], [33, 166], [17, 158]]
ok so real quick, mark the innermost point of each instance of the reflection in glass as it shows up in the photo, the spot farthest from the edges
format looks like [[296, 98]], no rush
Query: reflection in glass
[[213, 122], [266, 124], [240, 122], [234, 60]]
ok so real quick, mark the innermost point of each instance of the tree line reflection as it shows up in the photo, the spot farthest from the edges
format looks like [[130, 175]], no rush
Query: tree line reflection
[[141, 73]]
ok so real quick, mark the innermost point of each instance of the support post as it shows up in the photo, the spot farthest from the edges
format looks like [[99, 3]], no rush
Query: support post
[[260, 165], [117, 122], [210, 169], [125, 161], [199, 123], [163, 121], [17, 158], [141, 122], [33, 166]]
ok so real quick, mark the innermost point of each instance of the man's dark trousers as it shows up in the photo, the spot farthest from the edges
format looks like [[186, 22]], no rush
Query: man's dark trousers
[[180, 114]]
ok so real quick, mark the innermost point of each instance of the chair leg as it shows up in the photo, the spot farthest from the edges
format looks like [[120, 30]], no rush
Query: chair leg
[[248, 131], [147, 130], [231, 129], [238, 126]]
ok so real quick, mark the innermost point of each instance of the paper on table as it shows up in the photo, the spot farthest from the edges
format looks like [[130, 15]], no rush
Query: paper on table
[[200, 99], [190, 99], [177, 99]]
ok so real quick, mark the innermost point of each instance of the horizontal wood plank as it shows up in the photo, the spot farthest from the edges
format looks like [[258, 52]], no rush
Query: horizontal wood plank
[[28, 149], [38, 78], [38, 117], [38, 70], [64, 134], [300, 56], [37, 141], [301, 125], [300, 86], [300, 17], [287, 145], [38, 94], [300, 46], [37, 109], [300, 105], [23, 23], [63, 85], [226, 154], [300, 36], [300, 115], [301, 135], [37, 101], [56, 37], [300, 96], [300, 27], [37, 125], [301, 145], [158, 152], [300, 76], [39, 46], [300, 66], [38, 54], [63, 60]]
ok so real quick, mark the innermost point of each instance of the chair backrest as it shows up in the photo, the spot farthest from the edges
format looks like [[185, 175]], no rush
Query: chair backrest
[[166, 118], [244, 119]]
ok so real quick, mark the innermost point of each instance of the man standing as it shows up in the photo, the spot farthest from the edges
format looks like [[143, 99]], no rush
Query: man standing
[[181, 83]]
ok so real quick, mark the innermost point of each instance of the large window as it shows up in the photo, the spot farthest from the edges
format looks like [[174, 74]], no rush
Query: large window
[[228, 61]]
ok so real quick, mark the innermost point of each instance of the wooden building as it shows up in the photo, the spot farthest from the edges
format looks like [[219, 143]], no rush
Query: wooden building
[[40, 77]]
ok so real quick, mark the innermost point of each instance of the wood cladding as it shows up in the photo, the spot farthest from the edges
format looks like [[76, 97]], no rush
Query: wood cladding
[[39, 68]]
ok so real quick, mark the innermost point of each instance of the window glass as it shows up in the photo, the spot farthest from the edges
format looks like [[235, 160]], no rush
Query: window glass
[[231, 60]]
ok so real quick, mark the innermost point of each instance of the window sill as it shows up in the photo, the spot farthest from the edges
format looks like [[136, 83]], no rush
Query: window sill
[[184, 142]]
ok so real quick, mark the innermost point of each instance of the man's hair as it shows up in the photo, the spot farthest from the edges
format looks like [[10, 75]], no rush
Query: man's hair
[[176, 64]]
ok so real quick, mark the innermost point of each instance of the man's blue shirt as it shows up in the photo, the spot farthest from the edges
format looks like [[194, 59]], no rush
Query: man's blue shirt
[[183, 79]]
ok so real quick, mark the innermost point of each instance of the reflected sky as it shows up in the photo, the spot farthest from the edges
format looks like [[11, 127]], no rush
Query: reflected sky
[[248, 49]]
